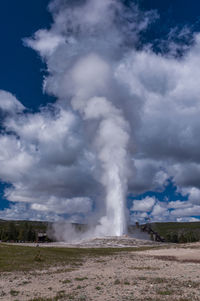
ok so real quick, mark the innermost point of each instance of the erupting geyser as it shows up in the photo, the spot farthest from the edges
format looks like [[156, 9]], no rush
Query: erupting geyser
[[110, 140], [83, 50]]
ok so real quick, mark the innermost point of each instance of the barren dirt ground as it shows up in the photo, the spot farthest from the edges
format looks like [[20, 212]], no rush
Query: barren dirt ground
[[170, 273]]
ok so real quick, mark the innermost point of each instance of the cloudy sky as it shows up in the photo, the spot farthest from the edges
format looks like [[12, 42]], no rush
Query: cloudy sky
[[90, 87]]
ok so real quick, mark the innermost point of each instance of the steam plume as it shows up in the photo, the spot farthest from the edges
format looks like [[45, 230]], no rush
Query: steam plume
[[86, 35]]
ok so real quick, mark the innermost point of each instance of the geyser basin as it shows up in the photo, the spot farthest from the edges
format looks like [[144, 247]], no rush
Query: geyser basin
[[110, 241], [82, 233]]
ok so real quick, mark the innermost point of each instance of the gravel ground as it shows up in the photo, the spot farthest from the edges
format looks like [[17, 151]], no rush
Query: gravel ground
[[170, 273]]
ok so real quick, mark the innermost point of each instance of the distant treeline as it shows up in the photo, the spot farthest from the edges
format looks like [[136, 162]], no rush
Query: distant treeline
[[22, 231], [32, 231], [178, 232]]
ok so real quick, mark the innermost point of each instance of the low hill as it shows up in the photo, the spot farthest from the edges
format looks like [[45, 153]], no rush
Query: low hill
[[178, 232]]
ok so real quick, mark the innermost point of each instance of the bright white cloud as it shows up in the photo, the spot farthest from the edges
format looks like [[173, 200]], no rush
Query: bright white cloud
[[45, 42], [193, 194], [188, 219], [9, 103], [145, 204], [189, 211], [178, 204], [160, 210], [22, 211], [66, 206]]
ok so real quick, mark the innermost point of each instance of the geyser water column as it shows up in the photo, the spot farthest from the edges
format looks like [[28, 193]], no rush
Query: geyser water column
[[115, 203], [110, 139], [112, 142]]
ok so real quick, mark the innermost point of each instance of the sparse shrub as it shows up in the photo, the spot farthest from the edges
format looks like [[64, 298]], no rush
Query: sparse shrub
[[66, 281], [14, 293], [82, 298], [38, 257], [158, 280], [117, 281], [165, 293], [81, 279], [59, 295], [126, 282], [142, 278], [2, 294], [98, 288], [41, 299]]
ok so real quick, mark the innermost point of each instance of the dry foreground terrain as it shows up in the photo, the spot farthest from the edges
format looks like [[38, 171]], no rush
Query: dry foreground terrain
[[104, 270]]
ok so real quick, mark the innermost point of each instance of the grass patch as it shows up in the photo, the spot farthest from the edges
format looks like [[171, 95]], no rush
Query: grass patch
[[25, 258], [66, 281], [59, 296], [158, 280], [143, 268], [41, 299], [165, 293], [142, 278], [81, 279]]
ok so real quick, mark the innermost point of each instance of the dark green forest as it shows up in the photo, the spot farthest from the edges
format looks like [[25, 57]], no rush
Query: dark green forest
[[22, 231], [178, 232]]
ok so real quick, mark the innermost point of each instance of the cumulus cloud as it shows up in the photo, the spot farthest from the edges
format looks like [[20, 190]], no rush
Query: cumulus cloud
[[66, 206], [45, 42], [166, 137], [44, 162], [23, 211], [189, 211], [145, 204], [9, 103], [171, 100], [177, 204], [126, 118], [187, 219]]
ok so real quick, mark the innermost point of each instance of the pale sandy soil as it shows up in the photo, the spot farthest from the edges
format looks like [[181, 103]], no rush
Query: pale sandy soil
[[180, 254], [171, 273]]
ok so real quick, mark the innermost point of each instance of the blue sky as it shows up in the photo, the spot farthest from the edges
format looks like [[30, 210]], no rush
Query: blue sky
[[21, 69], [169, 34]]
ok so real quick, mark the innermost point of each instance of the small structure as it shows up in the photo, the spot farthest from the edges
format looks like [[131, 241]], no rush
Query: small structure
[[41, 237], [153, 234]]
